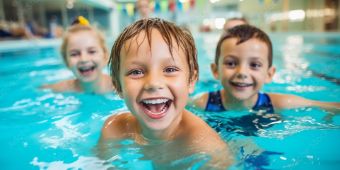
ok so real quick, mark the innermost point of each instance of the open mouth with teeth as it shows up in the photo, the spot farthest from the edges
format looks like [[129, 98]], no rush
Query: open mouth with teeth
[[86, 70], [156, 108], [241, 85]]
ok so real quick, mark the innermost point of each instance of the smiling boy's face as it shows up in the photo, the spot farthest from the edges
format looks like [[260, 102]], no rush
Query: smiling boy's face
[[155, 85], [85, 55], [243, 68]]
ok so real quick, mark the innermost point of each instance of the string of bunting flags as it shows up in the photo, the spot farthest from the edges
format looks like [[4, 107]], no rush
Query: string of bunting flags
[[163, 6]]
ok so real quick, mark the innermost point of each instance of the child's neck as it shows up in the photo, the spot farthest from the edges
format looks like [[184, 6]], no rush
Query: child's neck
[[161, 136], [91, 87], [232, 103]]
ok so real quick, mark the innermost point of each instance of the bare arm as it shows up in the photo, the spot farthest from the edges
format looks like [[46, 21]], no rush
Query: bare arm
[[62, 86], [283, 101]]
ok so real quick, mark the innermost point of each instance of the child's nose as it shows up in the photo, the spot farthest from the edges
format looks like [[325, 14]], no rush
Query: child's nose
[[241, 72], [153, 82], [84, 57]]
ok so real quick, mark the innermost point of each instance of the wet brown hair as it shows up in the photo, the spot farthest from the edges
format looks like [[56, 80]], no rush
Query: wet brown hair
[[244, 33], [77, 28], [171, 34]]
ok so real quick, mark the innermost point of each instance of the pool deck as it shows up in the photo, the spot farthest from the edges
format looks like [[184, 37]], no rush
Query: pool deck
[[38, 43], [15, 45]]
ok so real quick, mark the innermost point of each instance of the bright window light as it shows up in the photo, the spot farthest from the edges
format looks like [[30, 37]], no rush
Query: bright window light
[[219, 22], [296, 15], [214, 1]]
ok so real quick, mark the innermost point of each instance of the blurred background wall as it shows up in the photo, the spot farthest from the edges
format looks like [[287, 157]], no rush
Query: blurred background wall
[[113, 15]]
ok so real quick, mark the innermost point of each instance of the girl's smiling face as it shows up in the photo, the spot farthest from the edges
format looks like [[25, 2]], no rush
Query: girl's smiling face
[[85, 55], [155, 84]]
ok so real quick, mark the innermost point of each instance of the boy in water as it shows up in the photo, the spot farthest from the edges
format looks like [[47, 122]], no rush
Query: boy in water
[[154, 68], [85, 54], [243, 64]]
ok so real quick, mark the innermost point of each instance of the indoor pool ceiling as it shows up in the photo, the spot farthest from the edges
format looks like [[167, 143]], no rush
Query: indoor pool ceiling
[[58, 4]]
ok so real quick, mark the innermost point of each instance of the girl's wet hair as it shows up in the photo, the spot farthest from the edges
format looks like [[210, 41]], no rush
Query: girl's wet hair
[[171, 34], [77, 28], [244, 33]]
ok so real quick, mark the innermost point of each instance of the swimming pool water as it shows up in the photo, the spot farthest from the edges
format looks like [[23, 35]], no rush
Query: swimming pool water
[[41, 129]]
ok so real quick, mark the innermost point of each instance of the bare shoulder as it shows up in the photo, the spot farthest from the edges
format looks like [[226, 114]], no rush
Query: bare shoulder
[[62, 86], [205, 139], [118, 126], [107, 77], [108, 86], [198, 130], [200, 100]]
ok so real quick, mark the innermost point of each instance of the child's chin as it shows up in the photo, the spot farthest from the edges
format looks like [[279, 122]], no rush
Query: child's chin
[[87, 79], [241, 97]]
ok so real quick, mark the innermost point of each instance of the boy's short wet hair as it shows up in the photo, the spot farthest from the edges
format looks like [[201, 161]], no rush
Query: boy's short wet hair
[[77, 28], [171, 34], [244, 33]]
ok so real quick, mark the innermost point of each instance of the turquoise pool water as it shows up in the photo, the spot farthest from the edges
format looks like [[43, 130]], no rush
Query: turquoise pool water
[[45, 130]]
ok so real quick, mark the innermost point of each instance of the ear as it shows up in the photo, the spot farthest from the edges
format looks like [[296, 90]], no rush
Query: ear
[[214, 70], [270, 74]]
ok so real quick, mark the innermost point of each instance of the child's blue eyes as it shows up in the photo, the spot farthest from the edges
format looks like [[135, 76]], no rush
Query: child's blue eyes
[[91, 52], [136, 73], [170, 69]]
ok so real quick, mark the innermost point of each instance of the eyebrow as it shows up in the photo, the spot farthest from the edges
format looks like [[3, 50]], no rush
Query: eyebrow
[[229, 56], [74, 50], [137, 63], [256, 58], [163, 62], [235, 57], [92, 47]]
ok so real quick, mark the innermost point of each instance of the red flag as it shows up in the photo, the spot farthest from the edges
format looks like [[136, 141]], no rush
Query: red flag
[[172, 5], [192, 3]]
